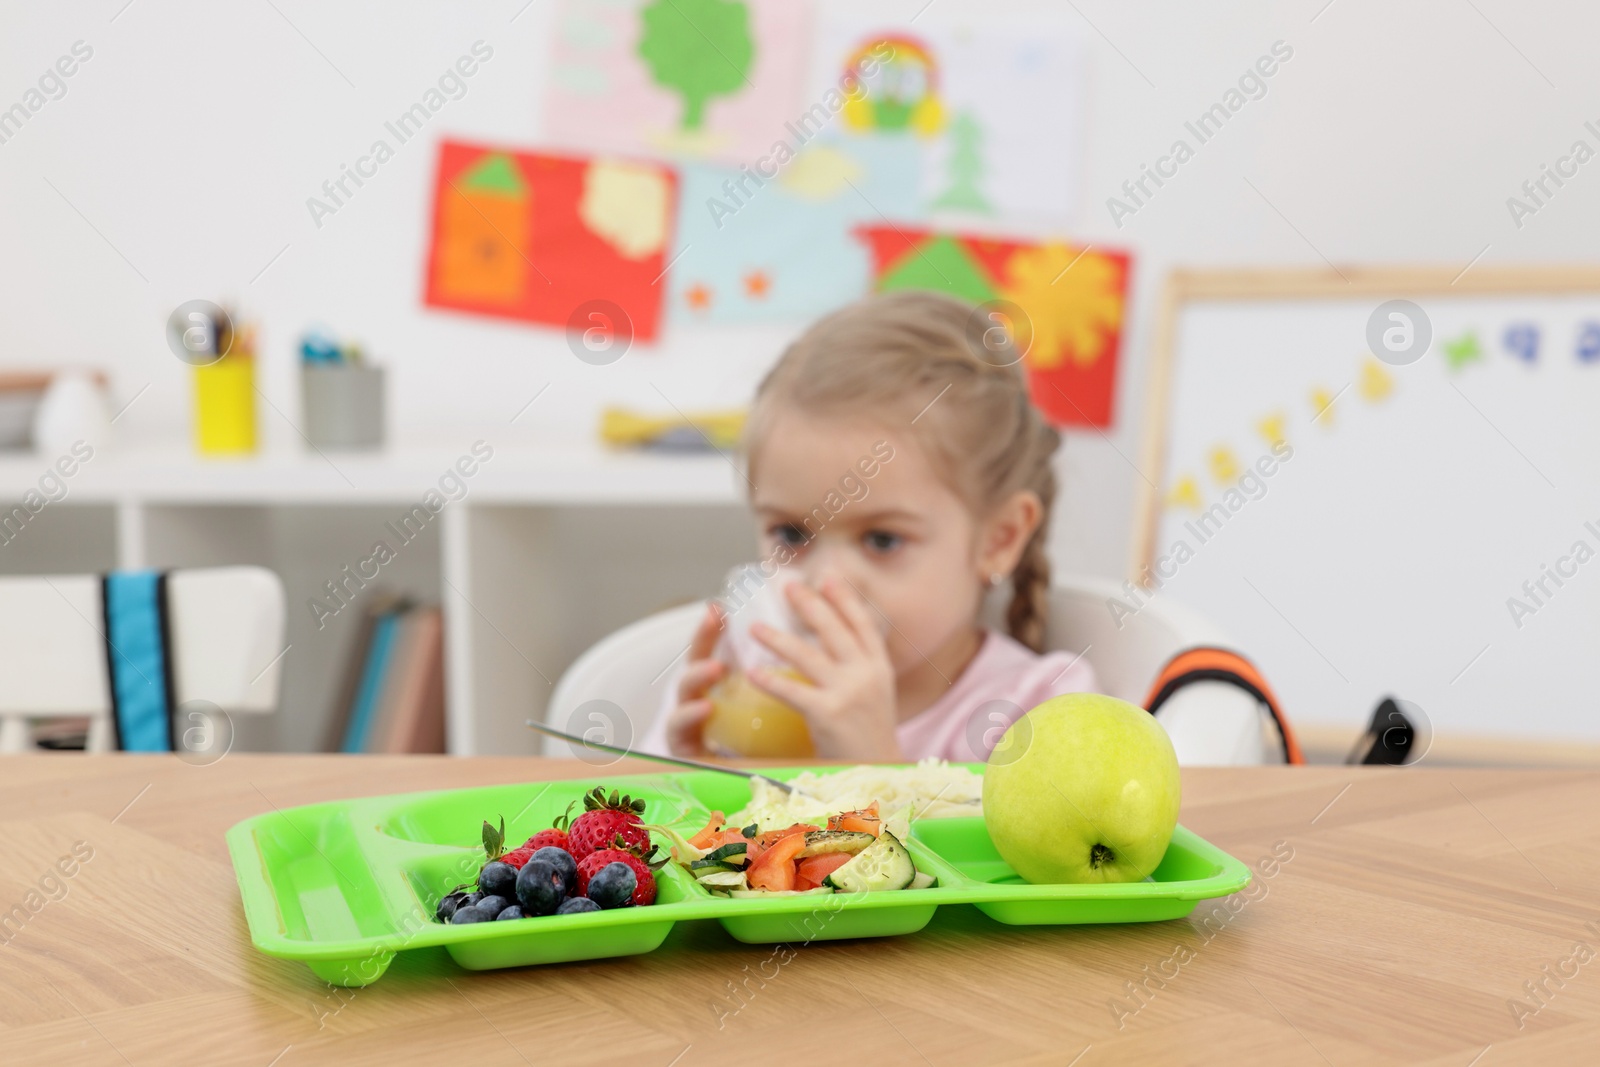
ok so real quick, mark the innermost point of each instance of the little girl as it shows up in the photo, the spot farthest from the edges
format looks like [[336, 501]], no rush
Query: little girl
[[911, 388]]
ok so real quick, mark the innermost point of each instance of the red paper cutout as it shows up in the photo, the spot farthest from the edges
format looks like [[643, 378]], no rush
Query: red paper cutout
[[1075, 300], [531, 236]]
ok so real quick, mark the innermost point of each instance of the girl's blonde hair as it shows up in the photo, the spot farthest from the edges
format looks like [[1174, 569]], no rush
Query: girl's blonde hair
[[945, 370]]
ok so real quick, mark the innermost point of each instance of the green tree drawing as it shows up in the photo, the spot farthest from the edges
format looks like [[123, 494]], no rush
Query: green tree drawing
[[697, 48], [965, 168]]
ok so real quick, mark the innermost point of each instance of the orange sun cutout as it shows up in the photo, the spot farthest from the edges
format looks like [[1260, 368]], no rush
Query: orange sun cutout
[[698, 297], [757, 284]]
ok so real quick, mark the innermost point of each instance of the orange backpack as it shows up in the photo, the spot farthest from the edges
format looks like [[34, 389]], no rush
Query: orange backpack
[[1221, 665]]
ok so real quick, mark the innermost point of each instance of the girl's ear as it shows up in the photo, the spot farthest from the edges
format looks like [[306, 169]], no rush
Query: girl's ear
[[1002, 538]]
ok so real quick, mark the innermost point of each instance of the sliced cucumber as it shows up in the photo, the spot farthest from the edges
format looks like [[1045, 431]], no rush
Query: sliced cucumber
[[923, 880], [822, 842], [728, 855], [883, 865], [700, 870], [746, 894], [724, 880]]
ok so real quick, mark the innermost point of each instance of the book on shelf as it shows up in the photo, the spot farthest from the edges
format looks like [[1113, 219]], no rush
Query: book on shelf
[[350, 679]]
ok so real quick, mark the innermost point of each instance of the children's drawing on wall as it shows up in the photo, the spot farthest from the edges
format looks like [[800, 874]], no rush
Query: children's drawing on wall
[[994, 106], [1072, 301], [706, 79], [781, 248], [533, 236], [902, 93], [481, 249]]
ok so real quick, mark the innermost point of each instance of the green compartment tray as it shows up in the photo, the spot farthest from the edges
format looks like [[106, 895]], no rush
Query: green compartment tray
[[345, 885]]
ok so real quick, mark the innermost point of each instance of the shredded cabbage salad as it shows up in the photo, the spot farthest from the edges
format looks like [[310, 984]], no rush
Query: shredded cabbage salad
[[930, 790]]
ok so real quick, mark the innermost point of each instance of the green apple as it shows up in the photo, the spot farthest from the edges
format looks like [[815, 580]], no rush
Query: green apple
[[1083, 788]]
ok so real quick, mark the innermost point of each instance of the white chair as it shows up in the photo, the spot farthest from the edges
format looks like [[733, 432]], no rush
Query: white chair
[[227, 626], [1210, 723]]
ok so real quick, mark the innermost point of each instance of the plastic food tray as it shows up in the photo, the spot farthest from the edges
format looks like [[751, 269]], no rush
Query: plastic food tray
[[343, 886]]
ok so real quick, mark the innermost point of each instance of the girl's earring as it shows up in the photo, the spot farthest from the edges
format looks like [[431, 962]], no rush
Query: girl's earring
[[996, 578]]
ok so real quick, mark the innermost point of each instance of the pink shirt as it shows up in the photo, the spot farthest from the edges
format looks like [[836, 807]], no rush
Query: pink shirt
[[1004, 680]]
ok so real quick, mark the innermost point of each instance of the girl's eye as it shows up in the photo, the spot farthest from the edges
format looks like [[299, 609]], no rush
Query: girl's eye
[[882, 541], [789, 534]]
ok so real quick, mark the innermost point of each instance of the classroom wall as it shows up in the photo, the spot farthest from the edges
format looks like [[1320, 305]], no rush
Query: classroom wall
[[179, 161]]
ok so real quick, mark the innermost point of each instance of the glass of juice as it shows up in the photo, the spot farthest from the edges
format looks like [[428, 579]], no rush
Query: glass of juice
[[745, 721]]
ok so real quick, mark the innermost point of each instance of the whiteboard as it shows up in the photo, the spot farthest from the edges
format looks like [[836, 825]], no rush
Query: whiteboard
[[1389, 549]]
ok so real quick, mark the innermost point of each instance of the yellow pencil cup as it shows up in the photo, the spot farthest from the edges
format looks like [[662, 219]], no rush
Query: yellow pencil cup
[[225, 406]]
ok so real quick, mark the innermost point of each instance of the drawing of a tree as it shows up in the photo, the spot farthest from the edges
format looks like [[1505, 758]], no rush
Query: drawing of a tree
[[699, 49], [965, 169]]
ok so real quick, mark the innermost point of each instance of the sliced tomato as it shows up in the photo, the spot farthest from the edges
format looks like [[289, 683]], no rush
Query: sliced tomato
[[773, 869], [764, 841], [707, 838], [809, 872], [864, 820], [771, 836]]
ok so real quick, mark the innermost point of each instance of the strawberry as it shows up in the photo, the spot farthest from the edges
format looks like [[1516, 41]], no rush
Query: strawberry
[[606, 820], [518, 856], [589, 866], [545, 838], [494, 839]]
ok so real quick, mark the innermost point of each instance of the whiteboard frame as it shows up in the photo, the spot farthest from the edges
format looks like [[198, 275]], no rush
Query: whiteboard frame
[[1186, 287]]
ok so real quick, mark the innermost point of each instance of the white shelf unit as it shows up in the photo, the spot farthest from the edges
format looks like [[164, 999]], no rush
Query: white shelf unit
[[546, 551]]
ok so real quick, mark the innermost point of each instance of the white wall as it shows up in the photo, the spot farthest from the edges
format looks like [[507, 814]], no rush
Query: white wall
[[186, 147]]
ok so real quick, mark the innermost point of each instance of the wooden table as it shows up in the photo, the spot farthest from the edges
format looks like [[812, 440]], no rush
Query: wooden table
[[1406, 911]]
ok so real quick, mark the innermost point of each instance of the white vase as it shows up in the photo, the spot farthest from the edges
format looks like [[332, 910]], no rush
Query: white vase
[[72, 409]]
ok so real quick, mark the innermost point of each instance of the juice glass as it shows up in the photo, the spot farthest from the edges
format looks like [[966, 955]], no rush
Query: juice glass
[[745, 721]]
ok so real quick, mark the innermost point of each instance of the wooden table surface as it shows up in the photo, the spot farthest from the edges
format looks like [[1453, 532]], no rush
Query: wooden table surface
[[1414, 916]]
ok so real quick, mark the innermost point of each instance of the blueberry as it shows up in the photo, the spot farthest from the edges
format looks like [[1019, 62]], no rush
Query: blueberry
[[492, 905], [470, 915], [448, 905], [577, 904], [562, 861], [612, 885], [471, 900], [540, 888], [510, 911], [499, 879]]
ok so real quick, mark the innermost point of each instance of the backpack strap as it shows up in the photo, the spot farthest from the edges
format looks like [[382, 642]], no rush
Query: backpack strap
[[1206, 664], [138, 637]]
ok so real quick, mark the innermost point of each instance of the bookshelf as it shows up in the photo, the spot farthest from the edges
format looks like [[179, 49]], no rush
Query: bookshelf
[[541, 552]]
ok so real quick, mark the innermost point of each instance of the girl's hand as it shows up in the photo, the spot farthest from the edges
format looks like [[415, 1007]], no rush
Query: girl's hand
[[686, 722], [850, 701]]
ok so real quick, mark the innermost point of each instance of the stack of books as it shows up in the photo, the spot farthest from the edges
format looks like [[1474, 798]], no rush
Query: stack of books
[[392, 699]]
